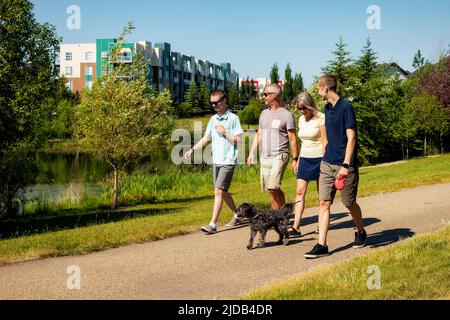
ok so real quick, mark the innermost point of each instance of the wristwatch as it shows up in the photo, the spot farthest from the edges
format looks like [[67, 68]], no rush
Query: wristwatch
[[295, 159], [346, 165]]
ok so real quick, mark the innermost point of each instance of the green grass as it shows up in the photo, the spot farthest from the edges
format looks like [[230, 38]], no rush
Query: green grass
[[417, 268], [159, 221]]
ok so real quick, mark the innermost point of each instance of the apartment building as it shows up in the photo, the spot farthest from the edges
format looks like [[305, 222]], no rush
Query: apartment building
[[168, 69], [77, 63]]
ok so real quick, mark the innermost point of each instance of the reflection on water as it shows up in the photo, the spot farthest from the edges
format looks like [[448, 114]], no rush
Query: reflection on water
[[69, 176]]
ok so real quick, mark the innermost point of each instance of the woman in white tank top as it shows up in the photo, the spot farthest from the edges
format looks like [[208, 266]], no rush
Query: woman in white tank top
[[312, 134]]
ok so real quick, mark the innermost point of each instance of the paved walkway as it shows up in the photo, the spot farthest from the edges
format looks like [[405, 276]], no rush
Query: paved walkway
[[197, 266]]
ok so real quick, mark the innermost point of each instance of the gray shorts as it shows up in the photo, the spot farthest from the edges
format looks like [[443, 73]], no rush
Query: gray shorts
[[223, 174], [327, 190]]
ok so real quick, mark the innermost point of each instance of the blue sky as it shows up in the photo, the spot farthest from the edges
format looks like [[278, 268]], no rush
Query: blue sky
[[252, 35]]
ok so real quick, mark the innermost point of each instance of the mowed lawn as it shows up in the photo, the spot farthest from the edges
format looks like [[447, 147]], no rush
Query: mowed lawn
[[416, 268], [160, 221]]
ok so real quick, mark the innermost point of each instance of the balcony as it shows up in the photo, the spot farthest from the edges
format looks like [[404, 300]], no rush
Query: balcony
[[124, 59]]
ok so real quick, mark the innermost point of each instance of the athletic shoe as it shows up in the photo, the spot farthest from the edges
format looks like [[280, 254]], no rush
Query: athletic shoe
[[317, 252], [208, 229], [233, 223], [360, 239]]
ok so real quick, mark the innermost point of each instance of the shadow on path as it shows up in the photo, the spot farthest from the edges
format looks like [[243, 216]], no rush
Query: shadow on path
[[20, 227], [381, 239]]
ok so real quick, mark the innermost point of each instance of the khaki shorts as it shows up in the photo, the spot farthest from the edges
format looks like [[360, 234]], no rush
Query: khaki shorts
[[327, 190], [272, 171]]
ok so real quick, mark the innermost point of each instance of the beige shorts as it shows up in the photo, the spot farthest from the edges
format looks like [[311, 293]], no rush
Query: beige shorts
[[272, 171], [327, 190]]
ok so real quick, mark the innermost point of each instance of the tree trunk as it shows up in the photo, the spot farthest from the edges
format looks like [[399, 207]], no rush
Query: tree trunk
[[407, 150], [442, 144], [425, 146], [403, 151], [116, 188]]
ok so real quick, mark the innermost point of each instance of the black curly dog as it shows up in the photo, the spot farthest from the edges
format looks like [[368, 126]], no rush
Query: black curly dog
[[263, 220]]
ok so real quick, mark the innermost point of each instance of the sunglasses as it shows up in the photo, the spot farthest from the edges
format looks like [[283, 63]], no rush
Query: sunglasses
[[266, 94], [217, 102]]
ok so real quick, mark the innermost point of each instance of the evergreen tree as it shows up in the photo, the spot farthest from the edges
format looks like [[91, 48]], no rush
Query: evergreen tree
[[367, 63], [341, 66], [205, 97], [193, 97], [288, 88], [274, 76], [242, 91], [233, 96], [252, 90], [418, 61], [298, 84]]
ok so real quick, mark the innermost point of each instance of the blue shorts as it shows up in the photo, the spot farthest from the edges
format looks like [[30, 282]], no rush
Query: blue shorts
[[309, 169]]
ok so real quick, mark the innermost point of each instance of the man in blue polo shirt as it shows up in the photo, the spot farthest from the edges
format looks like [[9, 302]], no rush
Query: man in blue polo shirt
[[339, 163], [224, 129]]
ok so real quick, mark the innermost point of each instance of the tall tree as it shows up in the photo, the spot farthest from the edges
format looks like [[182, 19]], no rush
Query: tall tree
[[288, 88], [233, 96], [252, 90], [366, 64], [274, 76], [418, 60], [205, 97], [26, 82], [433, 118], [121, 119], [340, 66], [193, 97], [298, 84]]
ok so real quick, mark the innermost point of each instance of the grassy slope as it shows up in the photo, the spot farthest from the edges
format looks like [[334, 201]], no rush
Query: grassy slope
[[417, 268]]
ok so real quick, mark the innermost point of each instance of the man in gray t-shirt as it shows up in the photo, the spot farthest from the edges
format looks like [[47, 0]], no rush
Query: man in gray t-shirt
[[275, 133], [275, 126]]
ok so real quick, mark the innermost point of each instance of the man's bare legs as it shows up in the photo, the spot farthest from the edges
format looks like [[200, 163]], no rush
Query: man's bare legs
[[277, 198], [219, 197], [355, 211], [324, 221]]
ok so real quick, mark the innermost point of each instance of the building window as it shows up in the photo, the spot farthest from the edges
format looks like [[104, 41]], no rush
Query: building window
[[88, 56], [88, 84], [68, 56], [104, 54], [68, 71], [88, 71], [104, 70], [70, 85]]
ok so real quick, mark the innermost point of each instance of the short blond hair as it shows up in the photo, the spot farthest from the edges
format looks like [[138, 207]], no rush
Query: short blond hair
[[328, 81]]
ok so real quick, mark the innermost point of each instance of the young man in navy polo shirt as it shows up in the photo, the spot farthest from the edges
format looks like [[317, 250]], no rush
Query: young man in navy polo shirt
[[339, 162]]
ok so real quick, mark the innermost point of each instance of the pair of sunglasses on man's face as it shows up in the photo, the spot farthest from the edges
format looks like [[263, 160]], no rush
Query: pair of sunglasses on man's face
[[266, 94], [217, 102]]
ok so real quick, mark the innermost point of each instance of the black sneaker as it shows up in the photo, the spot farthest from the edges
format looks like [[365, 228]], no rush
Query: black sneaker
[[317, 252], [360, 239]]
